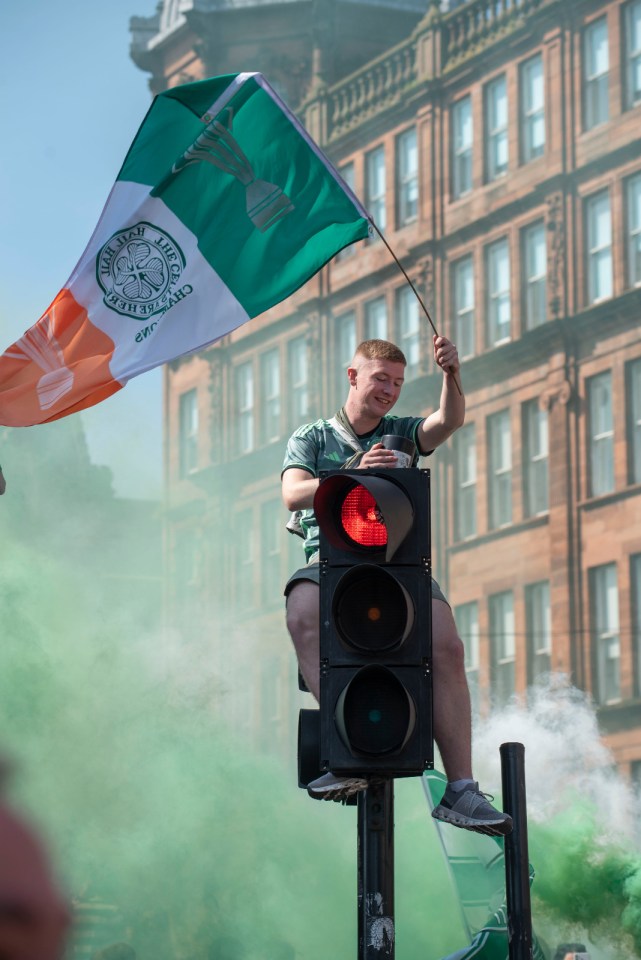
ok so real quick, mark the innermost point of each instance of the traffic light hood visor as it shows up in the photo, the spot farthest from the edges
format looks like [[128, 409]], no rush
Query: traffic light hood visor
[[365, 513]]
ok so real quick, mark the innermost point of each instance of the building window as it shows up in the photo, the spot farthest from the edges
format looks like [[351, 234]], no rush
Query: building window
[[632, 33], [499, 469], [465, 482], [375, 187], [539, 629], [502, 646], [535, 459], [245, 543], [534, 274], [467, 622], [635, 590], [634, 421], [532, 109], [605, 633], [348, 175], [270, 395], [595, 74], [497, 267], [245, 407], [408, 327], [601, 434], [188, 432], [376, 319], [599, 247], [298, 372], [634, 230], [406, 177], [271, 526], [345, 327], [463, 300], [496, 129], [462, 134]]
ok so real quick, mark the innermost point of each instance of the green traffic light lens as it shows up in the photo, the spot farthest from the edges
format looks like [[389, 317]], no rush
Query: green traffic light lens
[[375, 714]]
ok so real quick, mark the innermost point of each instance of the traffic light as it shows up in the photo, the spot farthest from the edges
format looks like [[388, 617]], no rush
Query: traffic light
[[375, 621]]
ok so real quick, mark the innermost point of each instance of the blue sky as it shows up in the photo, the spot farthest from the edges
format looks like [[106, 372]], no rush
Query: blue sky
[[71, 100]]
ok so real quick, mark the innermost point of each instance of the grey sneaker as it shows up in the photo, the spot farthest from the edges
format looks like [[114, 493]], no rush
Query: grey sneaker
[[471, 810], [331, 787]]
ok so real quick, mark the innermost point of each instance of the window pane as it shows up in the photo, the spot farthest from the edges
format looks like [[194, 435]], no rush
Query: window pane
[[298, 387], [347, 173], [188, 432], [271, 527], [601, 434], [500, 469], [532, 109], [634, 227], [496, 122], [498, 292], [605, 632], [345, 348], [503, 646], [376, 319], [595, 74], [599, 247], [635, 587], [245, 406], [634, 421], [463, 297], [535, 455], [375, 187], [633, 52], [408, 325], [407, 177], [539, 629], [270, 399], [534, 275], [465, 482], [467, 622], [462, 147]]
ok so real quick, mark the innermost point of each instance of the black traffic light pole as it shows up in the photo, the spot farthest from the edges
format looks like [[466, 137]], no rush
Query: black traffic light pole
[[517, 864], [376, 931]]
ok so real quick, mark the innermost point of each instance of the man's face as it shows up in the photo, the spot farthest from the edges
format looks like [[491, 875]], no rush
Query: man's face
[[377, 384]]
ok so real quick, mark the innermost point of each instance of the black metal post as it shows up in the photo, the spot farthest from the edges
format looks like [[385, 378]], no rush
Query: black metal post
[[517, 864], [376, 931]]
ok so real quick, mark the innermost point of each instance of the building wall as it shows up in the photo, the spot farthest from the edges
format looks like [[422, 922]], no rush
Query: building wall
[[581, 181]]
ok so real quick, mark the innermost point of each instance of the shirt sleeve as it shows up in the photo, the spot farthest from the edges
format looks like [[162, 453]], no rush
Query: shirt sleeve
[[302, 452]]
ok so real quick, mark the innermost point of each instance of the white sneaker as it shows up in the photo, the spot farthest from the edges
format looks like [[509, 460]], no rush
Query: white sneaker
[[331, 787]]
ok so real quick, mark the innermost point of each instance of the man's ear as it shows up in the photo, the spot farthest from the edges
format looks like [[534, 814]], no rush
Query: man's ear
[[351, 376]]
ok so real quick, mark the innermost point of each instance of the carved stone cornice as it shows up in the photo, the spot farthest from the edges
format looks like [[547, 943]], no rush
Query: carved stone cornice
[[559, 393]]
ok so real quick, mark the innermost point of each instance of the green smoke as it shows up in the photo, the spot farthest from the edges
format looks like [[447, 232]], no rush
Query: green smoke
[[587, 879], [123, 757]]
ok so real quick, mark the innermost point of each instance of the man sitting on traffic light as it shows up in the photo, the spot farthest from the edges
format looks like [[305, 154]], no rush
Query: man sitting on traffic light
[[376, 376]]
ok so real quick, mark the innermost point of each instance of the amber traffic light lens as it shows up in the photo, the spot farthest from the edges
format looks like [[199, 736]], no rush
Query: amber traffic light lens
[[372, 611]]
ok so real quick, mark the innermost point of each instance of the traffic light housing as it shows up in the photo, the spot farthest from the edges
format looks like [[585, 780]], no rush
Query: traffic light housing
[[375, 621]]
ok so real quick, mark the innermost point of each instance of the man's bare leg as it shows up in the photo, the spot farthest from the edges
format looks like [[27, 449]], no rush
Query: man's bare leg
[[303, 623], [452, 710]]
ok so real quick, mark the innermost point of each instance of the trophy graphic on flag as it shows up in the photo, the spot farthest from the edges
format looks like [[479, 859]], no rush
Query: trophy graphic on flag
[[39, 345], [266, 203]]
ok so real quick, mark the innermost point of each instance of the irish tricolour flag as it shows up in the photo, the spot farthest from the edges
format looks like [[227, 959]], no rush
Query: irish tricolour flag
[[223, 207]]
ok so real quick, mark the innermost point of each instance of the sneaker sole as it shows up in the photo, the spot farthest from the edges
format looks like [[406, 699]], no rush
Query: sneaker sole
[[339, 793], [497, 828]]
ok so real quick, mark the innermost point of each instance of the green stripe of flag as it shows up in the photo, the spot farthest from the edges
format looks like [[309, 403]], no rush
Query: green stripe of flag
[[267, 210]]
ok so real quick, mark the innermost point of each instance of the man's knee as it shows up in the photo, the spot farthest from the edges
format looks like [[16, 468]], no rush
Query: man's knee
[[302, 609], [448, 649]]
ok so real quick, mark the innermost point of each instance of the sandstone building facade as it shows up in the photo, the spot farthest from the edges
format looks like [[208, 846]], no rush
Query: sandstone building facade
[[498, 147]]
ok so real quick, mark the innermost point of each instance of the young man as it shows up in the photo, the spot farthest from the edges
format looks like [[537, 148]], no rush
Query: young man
[[376, 377]]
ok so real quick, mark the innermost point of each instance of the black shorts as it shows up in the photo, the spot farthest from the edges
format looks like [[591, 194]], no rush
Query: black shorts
[[312, 572]]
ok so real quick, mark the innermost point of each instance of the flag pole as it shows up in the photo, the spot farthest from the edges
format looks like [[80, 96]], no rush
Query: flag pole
[[416, 294]]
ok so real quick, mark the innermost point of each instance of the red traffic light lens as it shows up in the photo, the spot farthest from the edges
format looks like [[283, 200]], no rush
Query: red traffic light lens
[[362, 520]]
